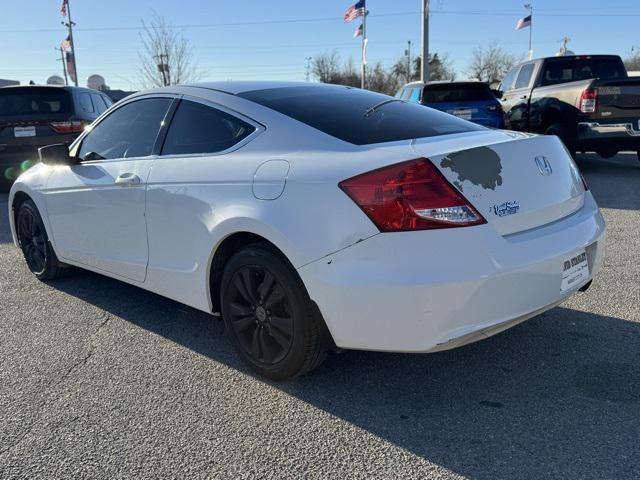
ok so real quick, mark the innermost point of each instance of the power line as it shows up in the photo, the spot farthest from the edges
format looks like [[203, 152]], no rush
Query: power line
[[328, 19]]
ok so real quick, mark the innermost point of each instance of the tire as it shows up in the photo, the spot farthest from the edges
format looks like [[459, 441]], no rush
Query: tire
[[607, 153], [560, 131], [34, 243], [268, 314]]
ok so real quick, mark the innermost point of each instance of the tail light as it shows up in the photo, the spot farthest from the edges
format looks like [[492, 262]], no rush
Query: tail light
[[67, 127], [411, 195], [588, 100]]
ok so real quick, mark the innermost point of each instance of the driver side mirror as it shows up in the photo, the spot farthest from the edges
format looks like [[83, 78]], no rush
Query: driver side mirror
[[57, 154], [497, 93]]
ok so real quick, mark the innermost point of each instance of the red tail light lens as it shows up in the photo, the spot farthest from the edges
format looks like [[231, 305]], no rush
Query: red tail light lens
[[588, 100], [411, 195], [67, 127]]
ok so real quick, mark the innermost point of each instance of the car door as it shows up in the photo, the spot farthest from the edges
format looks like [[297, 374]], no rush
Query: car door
[[97, 208], [195, 180], [517, 99]]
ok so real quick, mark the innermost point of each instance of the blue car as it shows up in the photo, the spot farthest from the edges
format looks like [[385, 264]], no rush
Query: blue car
[[473, 101]]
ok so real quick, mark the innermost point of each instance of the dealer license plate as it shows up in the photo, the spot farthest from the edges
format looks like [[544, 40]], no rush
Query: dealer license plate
[[574, 271], [464, 114], [20, 132]]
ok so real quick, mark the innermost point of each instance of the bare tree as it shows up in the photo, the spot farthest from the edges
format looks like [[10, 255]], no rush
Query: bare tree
[[490, 64], [326, 67], [165, 57], [633, 61]]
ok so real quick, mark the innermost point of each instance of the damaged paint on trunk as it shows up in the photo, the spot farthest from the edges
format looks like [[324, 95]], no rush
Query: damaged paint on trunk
[[481, 166]]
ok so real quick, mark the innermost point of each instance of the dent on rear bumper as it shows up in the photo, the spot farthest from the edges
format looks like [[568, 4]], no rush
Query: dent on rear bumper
[[421, 291]]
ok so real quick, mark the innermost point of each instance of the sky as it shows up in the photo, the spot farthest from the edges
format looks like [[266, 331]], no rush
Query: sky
[[256, 40]]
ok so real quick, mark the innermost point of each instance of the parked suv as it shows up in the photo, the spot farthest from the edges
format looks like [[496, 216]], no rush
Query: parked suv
[[588, 101], [473, 101], [34, 116]]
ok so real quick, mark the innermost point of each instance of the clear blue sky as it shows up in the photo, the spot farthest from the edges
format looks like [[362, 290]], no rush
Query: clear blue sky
[[248, 40]]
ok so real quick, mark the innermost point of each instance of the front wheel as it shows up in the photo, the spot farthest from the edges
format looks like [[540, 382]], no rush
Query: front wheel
[[34, 243], [268, 314]]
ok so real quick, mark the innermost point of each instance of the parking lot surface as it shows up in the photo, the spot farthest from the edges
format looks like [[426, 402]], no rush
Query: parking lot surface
[[99, 379]]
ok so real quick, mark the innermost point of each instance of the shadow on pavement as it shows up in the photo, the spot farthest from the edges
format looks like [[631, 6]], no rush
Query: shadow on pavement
[[5, 232], [615, 182], [555, 397]]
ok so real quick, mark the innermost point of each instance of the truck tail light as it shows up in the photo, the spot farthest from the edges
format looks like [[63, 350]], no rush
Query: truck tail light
[[588, 100], [411, 195], [67, 127]]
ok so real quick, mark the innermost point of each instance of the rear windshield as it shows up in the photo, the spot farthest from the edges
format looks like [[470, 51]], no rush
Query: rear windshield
[[457, 93], [348, 114], [34, 101], [565, 70]]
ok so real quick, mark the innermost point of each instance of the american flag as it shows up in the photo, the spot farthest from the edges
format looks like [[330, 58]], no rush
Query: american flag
[[66, 43], [63, 8], [523, 23], [355, 11]]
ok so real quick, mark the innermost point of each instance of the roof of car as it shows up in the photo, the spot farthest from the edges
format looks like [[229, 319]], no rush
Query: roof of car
[[62, 87], [442, 82], [233, 87]]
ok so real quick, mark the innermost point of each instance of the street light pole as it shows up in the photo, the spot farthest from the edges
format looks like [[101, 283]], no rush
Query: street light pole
[[425, 41]]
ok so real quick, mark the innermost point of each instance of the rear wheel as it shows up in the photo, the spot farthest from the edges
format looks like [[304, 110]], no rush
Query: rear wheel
[[269, 315], [607, 152], [34, 243], [560, 131]]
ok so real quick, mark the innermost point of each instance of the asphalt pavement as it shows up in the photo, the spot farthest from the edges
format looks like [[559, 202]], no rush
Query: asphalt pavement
[[99, 379]]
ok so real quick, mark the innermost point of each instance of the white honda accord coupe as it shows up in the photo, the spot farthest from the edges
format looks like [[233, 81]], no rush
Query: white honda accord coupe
[[312, 217]]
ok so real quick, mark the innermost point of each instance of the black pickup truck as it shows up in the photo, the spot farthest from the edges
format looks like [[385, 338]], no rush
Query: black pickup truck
[[588, 101]]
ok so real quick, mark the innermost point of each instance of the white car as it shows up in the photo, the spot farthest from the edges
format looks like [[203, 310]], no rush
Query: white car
[[315, 216]]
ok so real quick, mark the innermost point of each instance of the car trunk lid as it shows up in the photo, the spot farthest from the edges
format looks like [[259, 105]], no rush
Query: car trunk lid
[[618, 100], [516, 185]]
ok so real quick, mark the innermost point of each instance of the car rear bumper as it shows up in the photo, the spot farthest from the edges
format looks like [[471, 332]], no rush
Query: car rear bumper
[[434, 290], [621, 136]]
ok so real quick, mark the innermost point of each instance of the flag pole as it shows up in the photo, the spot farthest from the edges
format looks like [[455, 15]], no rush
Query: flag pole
[[364, 46], [529, 7], [73, 46]]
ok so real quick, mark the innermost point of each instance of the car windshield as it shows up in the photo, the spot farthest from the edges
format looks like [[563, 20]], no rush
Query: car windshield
[[358, 116], [565, 70], [34, 101], [464, 92]]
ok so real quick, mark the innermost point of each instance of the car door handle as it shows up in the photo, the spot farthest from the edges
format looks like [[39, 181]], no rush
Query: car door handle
[[127, 179]]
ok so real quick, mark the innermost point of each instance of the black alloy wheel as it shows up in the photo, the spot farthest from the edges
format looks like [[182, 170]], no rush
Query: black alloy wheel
[[273, 324], [260, 314], [34, 243], [32, 240]]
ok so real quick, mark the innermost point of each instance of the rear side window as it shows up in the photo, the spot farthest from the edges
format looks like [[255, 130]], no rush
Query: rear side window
[[524, 76], [129, 131], [451, 92], [86, 104], [358, 116], [98, 102], [198, 128], [34, 101], [571, 69], [415, 95]]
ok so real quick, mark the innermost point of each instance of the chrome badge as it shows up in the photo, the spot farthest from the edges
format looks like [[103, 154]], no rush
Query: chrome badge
[[506, 208], [544, 167]]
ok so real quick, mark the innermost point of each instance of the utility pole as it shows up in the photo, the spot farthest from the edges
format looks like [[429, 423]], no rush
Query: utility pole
[[163, 67], [64, 64], [425, 41], [565, 43], [70, 24], [307, 74], [529, 7], [407, 52]]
